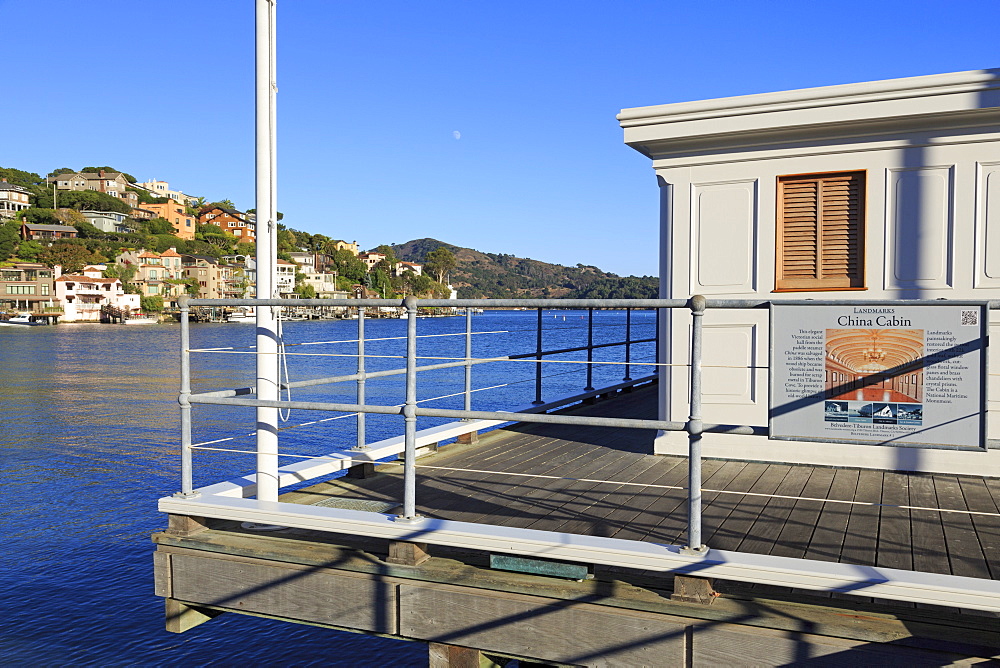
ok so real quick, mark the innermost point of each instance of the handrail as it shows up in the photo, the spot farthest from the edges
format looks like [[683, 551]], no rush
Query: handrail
[[410, 410]]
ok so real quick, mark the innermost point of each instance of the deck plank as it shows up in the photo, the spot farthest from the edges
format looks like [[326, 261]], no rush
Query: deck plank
[[761, 536], [964, 551], [895, 548], [987, 527], [926, 529]]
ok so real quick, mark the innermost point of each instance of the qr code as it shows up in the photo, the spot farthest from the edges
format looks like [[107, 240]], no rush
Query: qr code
[[970, 318]]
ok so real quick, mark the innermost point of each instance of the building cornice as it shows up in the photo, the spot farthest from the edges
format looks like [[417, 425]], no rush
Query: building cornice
[[844, 109]]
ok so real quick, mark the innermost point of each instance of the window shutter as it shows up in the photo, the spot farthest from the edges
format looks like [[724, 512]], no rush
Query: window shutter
[[821, 232]]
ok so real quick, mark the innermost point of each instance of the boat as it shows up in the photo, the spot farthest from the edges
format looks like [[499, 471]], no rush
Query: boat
[[243, 315], [140, 319], [21, 320]]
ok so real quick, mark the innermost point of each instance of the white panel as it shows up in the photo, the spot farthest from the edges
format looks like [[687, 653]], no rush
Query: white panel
[[724, 222], [988, 207], [920, 227], [727, 376]]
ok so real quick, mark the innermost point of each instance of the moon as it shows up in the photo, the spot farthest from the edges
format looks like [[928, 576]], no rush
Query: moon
[[456, 134]]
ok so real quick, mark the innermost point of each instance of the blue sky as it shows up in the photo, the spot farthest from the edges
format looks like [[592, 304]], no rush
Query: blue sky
[[487, 125]]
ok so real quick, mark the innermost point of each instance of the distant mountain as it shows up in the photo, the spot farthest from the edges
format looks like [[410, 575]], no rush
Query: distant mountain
[[500, 276]]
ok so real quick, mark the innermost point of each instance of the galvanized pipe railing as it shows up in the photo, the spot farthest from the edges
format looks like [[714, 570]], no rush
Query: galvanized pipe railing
[[187, 468], [361, 445], [410, 415], [694, 430]]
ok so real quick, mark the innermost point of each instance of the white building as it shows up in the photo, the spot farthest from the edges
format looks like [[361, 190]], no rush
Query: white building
[[13, 198], [83, 295], [911, 166], [107, 221], [162, 189]]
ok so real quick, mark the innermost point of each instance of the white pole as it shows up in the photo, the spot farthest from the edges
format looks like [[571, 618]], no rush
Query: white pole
[[267, 330]]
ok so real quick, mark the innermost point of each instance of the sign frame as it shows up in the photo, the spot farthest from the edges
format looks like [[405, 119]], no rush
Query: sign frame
[[782, 425]]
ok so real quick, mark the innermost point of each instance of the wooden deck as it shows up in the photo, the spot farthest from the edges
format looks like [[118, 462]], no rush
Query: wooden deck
[[598, 481]]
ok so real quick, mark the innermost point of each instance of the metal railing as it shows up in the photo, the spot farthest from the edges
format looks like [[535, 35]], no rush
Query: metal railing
[[410, 410]]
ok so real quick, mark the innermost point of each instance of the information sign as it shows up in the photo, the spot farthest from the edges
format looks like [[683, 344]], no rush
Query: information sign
[[889, 374]]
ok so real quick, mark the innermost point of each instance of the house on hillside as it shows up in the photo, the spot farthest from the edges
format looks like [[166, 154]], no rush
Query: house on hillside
[[230, 220], [409, 267], [32, 232], [888, 190], [110, 183], [156, 273], [371, 259], [13, 198], [176, 215], [340, 244], [162, 189], [111, 222]]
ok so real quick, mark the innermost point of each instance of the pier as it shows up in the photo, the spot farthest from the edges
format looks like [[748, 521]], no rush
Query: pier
[[560, 539]]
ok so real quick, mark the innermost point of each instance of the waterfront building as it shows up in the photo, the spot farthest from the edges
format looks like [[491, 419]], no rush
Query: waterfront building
[[285, 278], [27, 286], [13, 198], [886, 190], [83, 295]]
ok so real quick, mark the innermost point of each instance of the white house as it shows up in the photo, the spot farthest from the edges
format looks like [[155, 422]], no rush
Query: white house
[[107, 221], [83, 295], [904, 179]]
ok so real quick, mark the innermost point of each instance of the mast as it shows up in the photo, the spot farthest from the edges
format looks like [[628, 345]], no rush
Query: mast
[[267, 330]]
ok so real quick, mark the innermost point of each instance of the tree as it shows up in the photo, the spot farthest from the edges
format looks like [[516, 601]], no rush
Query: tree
[[349, 266], [40, 217], [62, 170], [160, 226], [21, 178], [305, 291], [89, 200], [390, 255], [439, 262], [72, 256], [8, 241], [30, 251], [151, 304]]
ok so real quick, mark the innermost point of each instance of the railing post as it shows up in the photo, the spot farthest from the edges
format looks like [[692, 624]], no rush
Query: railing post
[[361, 445], [694, 429], [410, 415], [590, 350], [187, 473], [468, 359], [628, 343], [538, 364]]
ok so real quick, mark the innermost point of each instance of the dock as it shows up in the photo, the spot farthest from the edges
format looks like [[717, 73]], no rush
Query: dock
[[475, 605]]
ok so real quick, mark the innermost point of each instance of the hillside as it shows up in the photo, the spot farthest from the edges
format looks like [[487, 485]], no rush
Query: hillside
[[499, 276]]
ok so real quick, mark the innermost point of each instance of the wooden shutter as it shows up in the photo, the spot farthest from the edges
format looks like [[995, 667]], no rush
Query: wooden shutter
[[821, 232]]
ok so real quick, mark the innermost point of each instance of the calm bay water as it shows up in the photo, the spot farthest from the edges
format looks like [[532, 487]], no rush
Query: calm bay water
[[89, 443]]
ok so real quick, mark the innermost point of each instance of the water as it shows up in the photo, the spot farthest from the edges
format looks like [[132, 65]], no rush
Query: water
[[89, 443]]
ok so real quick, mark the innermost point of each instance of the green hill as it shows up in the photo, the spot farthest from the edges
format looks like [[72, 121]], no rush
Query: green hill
[[499, 276]]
